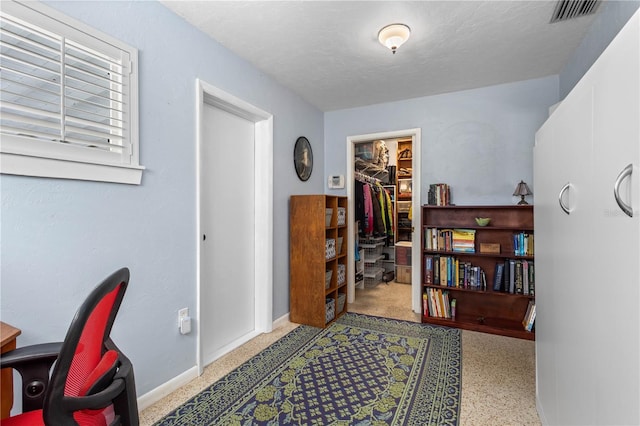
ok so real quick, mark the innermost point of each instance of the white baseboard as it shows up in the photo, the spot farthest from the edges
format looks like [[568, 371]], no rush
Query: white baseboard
[[280, 321], [155, 395], [151, 397]]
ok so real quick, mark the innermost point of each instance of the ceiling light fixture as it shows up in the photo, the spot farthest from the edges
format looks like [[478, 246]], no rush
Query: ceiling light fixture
[[393, 36]]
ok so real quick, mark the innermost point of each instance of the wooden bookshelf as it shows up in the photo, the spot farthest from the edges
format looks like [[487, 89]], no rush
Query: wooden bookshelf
[[404, 181], [481, 308], [309, 290]]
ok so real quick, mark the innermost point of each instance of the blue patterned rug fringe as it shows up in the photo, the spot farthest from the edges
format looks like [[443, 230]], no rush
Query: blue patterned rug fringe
[[361, 370]]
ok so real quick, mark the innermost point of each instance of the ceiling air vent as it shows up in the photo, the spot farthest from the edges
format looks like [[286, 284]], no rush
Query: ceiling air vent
[[569, 9]]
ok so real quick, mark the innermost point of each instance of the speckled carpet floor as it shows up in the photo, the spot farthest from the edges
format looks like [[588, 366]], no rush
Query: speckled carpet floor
[[361, 370], [503, 367]]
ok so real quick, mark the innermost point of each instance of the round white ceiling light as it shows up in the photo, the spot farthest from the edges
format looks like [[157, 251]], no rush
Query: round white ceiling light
[[393, 36]]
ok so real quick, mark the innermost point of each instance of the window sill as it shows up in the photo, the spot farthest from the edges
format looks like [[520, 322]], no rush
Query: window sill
[[24, 165]]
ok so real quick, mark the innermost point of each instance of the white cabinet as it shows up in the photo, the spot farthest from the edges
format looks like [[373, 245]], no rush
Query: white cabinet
[[587, 257]]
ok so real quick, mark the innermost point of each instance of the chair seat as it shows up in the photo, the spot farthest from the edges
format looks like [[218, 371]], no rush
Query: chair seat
[[30, 418], [84, 418], [90, 372]]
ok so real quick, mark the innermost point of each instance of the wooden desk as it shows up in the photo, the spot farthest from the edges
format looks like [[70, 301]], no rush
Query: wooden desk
[[8, 335]]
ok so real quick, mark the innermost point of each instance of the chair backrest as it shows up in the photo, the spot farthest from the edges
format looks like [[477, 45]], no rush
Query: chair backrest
[[86, 358]]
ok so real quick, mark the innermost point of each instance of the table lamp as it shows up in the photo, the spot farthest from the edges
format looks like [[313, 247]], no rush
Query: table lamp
[[522, 189]]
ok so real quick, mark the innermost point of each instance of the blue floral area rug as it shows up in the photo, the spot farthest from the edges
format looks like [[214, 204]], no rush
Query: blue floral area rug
[[361, 370]]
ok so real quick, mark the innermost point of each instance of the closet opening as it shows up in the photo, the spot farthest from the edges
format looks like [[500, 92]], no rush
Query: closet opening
[[383, 192]]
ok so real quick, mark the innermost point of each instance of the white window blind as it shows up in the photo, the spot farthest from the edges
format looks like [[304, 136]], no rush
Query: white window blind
[[66, 94]]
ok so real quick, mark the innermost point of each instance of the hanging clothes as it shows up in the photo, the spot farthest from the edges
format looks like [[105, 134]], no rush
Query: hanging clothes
[[382, 199], [373, 207], [368, 210], [378, 224], [388, 213], [359, 204]]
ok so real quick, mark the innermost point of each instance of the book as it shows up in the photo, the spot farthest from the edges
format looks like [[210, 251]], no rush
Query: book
[[427, 238], [498, 276], [518, 279], [512, 278], [443, 271], [463, 240], [432, 295], [430, 306], [434, 238], [441, 303], [436, 269], [439, 194], [445, 302], [505, 281], [532, 318], [523, 244], [532, 284], [527, 315], [530, 245], [428, 269], [525, 277], [461, 276], [454, 271], [425, 304], [445, 239]]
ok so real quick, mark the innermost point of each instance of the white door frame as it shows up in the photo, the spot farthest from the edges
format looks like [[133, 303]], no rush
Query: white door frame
[[211, 95], [415, 203]]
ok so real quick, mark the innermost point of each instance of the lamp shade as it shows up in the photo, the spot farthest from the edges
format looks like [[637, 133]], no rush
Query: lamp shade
[[393, 36], [522, 189]]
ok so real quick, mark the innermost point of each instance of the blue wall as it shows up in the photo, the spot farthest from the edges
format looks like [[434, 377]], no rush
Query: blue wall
[[607, 23], [478, 141], [61, 237]]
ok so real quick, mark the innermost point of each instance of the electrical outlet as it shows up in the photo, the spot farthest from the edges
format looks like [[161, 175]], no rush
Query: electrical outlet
[[184, 321], [183, 313]]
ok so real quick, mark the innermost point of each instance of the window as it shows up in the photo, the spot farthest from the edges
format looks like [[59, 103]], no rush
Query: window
[[68, 105]]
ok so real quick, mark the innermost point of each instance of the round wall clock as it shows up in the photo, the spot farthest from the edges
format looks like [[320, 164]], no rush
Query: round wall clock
[[303, 158]]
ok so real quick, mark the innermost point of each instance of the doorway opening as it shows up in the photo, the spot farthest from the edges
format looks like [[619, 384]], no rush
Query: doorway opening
[[254, 235], [410, 185]]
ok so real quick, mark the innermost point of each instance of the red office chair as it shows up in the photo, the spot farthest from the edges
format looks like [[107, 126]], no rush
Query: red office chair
[[92, 381]]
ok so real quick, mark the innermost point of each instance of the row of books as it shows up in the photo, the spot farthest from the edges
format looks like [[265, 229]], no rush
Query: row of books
[[435, 303], [439, 194], [530, 316], [457, 240], [523, 244], [449, 271], [515, 276]]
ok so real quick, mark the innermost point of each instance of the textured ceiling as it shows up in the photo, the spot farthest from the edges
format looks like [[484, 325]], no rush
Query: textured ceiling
[[328, 53]]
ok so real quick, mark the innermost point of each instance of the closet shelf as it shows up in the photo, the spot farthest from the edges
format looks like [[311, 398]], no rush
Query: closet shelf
[[374, 272], [372, 246], [370, 169], [373, 259]]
